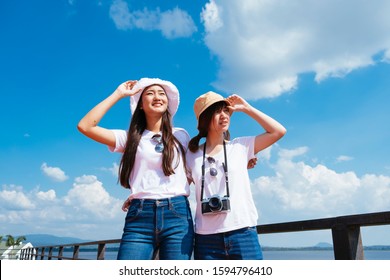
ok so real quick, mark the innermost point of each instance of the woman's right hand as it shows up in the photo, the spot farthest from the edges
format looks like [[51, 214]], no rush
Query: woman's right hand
[[126, 89], [126, 205]]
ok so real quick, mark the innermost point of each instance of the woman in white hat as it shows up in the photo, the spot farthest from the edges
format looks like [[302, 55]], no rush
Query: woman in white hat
[[226, 216], [152, 166]]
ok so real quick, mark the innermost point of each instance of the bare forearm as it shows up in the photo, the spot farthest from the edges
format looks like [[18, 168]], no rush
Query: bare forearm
[[93, 117], [269, 124], [273, 129]]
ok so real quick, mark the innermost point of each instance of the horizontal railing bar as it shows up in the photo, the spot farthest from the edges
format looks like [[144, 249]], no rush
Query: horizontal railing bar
[[341, 227], [111, 241], [372, 219]]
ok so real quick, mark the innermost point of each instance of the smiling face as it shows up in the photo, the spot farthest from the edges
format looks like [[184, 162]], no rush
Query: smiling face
[[154, 100]]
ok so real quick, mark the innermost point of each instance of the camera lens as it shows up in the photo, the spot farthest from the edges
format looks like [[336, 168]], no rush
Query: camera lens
[[215, 204]]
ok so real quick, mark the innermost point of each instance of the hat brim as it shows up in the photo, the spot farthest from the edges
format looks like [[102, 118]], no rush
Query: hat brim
[[169, 88], [206, 100]]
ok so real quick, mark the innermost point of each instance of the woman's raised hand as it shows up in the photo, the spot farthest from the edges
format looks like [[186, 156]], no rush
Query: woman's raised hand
[[126, 89], [237, 103]]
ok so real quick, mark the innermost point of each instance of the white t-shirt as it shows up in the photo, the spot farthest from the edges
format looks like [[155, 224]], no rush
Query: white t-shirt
[[147, 179], [243, 210]]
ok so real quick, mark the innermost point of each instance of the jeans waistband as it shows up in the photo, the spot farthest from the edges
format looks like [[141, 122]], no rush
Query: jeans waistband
[[161, 201]]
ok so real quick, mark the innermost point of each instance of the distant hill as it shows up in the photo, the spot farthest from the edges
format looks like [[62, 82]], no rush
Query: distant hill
[[323, 245], [319, 246], [47, 239]]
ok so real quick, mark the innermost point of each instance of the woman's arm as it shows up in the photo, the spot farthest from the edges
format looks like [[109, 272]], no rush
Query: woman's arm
[[88, 125], [273, 129]]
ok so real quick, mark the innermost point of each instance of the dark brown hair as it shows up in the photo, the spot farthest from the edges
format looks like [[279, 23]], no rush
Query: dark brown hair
[[204, 123], [134, 134]]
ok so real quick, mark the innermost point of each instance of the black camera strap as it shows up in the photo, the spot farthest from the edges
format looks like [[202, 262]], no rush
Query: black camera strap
[[225, 168]]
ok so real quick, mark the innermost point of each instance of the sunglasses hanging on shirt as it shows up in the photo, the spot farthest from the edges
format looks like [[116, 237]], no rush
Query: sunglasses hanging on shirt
[[213, 169], [157, 139]]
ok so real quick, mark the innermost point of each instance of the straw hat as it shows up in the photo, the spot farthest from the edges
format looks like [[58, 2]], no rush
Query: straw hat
[[169, 88], [206, 100]]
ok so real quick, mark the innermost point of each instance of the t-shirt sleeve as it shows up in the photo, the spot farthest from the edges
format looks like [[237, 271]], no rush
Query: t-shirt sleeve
[[247, 144], [183, 136], [189, 161], [120, 141]]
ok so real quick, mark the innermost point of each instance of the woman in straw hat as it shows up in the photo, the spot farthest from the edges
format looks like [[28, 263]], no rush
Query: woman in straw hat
[[226, 216], [152, 166]]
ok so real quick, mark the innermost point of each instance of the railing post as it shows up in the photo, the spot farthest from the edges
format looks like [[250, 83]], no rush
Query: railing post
[[76, 251], [43, 253], [101, 251], [36, 253], [49, 257], [60, 252], [347, 242]]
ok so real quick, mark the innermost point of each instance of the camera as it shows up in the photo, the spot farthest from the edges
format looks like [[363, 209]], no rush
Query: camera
[[215, 205]]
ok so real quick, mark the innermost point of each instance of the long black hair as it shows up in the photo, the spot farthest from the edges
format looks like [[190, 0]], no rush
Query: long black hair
[[134, 134]]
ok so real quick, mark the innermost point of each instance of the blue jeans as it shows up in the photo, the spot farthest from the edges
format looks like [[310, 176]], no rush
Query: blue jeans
[[162, 226], [241, 244]]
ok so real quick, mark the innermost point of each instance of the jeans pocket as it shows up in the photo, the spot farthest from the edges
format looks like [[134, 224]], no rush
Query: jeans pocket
[[133, 212], [181, 210]]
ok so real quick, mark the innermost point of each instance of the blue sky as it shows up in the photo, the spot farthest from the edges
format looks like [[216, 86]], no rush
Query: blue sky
[[321, 68]]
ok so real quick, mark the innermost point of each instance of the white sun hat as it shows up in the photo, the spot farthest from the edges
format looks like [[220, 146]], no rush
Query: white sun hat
[[169, 88]]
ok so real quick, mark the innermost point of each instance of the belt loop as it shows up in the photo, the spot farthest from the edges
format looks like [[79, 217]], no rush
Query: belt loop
[[141, 205], [169, 203]]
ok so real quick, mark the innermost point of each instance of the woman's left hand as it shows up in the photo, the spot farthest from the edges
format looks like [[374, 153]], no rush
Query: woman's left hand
[[237, 103], [252, 163]]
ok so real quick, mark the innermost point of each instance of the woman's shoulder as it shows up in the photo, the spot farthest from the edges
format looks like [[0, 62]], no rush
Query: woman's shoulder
[[182, 135], [180, 132]]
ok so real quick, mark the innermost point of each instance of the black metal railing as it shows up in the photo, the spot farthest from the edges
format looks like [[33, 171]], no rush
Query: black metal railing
[[346, 235], [9, 254]]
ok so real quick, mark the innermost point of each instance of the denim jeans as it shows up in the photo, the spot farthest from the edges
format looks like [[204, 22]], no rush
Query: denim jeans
[[241, 244], [164, 226]]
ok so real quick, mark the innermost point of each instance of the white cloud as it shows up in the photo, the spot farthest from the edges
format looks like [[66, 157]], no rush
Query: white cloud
[[289, 154], [211, 17], [13, 198], [299, 191], [172, 24], [176, 23], [386, 56], [50, 195], [88, 194], [344, 158], [87, 210], [55, 173], [265, 154], [377, 195], [113, 170], [264, 45], [120, 14]]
